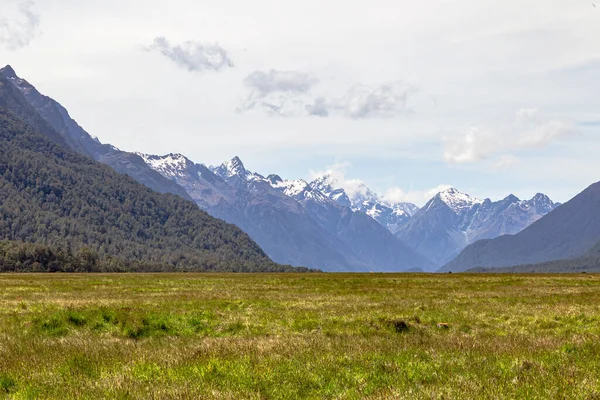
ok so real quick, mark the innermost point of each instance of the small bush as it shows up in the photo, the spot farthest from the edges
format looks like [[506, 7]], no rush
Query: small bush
[[54, 325], [398, 325], [7, 384], [75, 318]]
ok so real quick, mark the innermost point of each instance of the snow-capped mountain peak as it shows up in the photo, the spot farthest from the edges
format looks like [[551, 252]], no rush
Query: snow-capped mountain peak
[[325, 184], [231, 168], [458, 201], [235, 166], [330, 187], [170, 165]]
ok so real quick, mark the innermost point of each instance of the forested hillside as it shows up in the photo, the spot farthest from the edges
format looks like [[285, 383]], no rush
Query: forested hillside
[[68, 203]]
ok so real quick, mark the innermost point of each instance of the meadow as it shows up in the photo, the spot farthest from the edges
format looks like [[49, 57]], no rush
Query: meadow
[[292, 336]]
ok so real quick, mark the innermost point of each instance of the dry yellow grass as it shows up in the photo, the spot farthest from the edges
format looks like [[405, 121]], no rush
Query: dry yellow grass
[[299, 336]]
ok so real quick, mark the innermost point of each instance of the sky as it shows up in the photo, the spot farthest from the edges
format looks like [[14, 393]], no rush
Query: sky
[[408, 97]]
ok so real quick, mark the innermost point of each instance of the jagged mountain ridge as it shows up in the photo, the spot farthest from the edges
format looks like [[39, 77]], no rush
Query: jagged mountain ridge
[[452, 220], [291, 221], [442, 228]]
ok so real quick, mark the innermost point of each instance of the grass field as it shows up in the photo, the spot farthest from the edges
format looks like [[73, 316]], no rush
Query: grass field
[[299, 336]]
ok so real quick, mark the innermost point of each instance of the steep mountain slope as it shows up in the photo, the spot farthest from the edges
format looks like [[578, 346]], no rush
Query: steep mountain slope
[[452, 220], [390, 215], [588, 263], [67, 131], [567, 232], [53, 196]]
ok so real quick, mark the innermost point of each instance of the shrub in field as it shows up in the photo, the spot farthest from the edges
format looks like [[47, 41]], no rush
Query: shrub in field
[[7, 384]]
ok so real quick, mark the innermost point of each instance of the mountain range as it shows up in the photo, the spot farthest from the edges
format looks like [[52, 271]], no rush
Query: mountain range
[[292, 221], [318, 224]]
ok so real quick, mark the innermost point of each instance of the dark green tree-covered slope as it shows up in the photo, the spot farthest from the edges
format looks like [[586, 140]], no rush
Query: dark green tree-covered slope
[[55, 197]]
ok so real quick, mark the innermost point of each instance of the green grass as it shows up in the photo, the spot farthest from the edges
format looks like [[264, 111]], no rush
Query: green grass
[[290, 336]]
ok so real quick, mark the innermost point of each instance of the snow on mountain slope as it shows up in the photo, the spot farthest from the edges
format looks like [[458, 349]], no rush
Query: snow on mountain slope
[[170, 165], [452, 220], [457, 201], [231, 168], [390, 215]]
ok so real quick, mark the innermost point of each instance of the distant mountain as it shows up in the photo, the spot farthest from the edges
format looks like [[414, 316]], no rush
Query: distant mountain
[[67, 131], [361, 233], [452, 220], [70, 204], [294, 223], [567, 232], [390, 215]]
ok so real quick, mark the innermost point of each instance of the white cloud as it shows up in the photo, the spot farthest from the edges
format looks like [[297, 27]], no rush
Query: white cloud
[[419, 197], [352, 187], [506, 161], [357, 187], [277, 92], [537, 132], [289, 93], [265, 83], [19, 27], [193, 56], [529, 130], [474, 145], [386, 100]]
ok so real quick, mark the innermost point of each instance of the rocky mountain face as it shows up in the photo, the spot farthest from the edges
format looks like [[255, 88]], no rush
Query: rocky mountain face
[[452, 220], [568, 231], [75, 137]]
